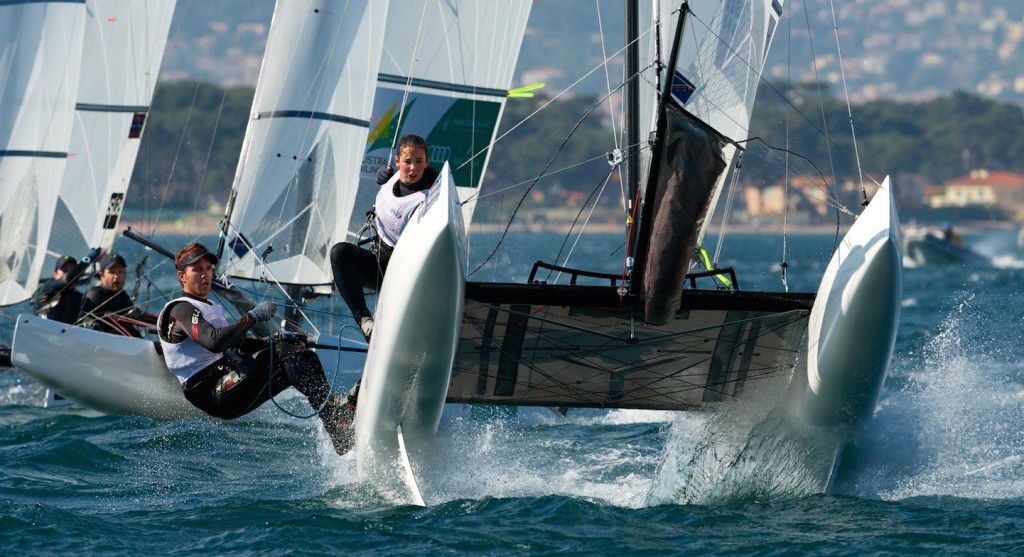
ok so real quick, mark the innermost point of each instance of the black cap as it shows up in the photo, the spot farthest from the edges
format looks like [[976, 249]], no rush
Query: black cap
[[192, 256], [112, 259], [64, 260]]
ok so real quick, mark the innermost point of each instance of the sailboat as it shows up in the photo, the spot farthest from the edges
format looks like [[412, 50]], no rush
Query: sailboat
[[124, 41], [642, 339], [40, 50], [646, 337], [40, 59], [935, 246]]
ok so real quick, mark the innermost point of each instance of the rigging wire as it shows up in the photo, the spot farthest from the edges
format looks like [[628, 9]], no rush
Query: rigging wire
[[598, 192], [849, 109], [611, 106], [542, 174], [784, 264], [821, 105], [420, 34], [546, 105], [266, 275]]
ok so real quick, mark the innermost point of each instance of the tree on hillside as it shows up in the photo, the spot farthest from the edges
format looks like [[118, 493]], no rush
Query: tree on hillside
[[190, 147]]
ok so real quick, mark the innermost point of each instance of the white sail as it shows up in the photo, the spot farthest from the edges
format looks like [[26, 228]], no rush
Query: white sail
[[295, 184], [452, 70], [124, 46], [722, 52], [40, 57]]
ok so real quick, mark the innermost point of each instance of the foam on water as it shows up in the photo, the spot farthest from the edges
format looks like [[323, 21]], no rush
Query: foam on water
[[745, 450], [956, 426]]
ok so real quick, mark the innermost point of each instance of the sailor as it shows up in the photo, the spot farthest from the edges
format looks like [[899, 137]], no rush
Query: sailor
[[355, 267], [227, 374], [108, 307], [949, 234], [57, 298]]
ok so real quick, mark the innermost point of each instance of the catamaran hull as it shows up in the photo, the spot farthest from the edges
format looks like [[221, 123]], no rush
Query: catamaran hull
[[108, 373], [852, 327], [123, 375], [409, 363]]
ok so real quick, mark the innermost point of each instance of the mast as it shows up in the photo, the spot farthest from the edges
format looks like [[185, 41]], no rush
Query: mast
[[632, 96]]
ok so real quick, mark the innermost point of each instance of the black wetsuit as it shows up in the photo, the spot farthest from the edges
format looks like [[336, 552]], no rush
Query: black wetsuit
[[243, 379], [103, 307], [58, 299]]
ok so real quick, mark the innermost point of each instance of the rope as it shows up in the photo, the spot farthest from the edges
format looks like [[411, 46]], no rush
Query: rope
[[532, 184], [330, 384]]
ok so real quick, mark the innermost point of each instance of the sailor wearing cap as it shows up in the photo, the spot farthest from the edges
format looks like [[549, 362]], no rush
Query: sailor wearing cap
[[108, 307], [57, 298], [227, 374]]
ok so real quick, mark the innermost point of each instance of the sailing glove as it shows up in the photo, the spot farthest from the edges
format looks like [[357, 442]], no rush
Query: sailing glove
[[384, 174], [93, 255], [264, 311]]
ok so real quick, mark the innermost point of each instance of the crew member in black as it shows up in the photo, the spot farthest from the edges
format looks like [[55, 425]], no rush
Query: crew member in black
[[227, 374], [108, 307], [57, 298]]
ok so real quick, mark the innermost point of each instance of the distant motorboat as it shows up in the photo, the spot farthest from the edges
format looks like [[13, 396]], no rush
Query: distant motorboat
[[939, 246]]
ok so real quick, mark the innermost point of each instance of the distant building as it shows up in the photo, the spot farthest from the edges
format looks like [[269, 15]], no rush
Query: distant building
[[984, 188]]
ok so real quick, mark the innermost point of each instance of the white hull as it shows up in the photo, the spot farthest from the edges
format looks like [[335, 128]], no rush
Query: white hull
[[107, 373], [122, 375], [408, 367], [852, 327]]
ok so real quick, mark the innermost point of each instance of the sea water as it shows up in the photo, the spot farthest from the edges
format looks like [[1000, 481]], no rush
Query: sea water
[[938, 470]]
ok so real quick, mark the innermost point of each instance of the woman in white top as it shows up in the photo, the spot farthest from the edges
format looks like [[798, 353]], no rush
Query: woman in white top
[[354, 267], [226, 374]]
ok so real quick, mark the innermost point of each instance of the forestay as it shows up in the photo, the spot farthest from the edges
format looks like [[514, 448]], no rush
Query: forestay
[[446, 70], [295, 184], [40, 57], [125, 42]]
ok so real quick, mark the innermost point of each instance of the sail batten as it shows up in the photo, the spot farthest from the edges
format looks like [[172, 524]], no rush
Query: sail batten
[[313, 115], [442, 86], [115, 108]]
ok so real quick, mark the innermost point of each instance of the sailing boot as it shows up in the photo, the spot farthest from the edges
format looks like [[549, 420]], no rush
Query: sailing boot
[[338, 417], [366, 326]]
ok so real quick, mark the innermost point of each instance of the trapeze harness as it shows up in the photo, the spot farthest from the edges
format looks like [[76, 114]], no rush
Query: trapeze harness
[[394, 212], [188, 357]]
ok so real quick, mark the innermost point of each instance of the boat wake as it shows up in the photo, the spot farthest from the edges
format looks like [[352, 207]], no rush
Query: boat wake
[[740, 452], [954, 428]]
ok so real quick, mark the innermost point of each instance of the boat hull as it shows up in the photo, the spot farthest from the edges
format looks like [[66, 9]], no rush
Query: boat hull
[[408, 366], [852, 327], [108, 373], [928, 248], [122, 375]]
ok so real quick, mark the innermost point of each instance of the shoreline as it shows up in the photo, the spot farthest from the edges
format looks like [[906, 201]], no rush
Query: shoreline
[[207, 225]]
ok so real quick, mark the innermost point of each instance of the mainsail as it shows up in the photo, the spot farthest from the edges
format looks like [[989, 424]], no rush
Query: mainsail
[[124, 46], [295, 184], [650, 347], [448, 85], [40, 58], [715, 57]]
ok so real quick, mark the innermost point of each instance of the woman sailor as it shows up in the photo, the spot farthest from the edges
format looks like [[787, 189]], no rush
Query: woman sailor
[[226, 374], [397, 200]]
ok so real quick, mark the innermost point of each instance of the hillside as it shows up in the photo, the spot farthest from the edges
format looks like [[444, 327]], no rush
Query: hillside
[[896, 49]]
